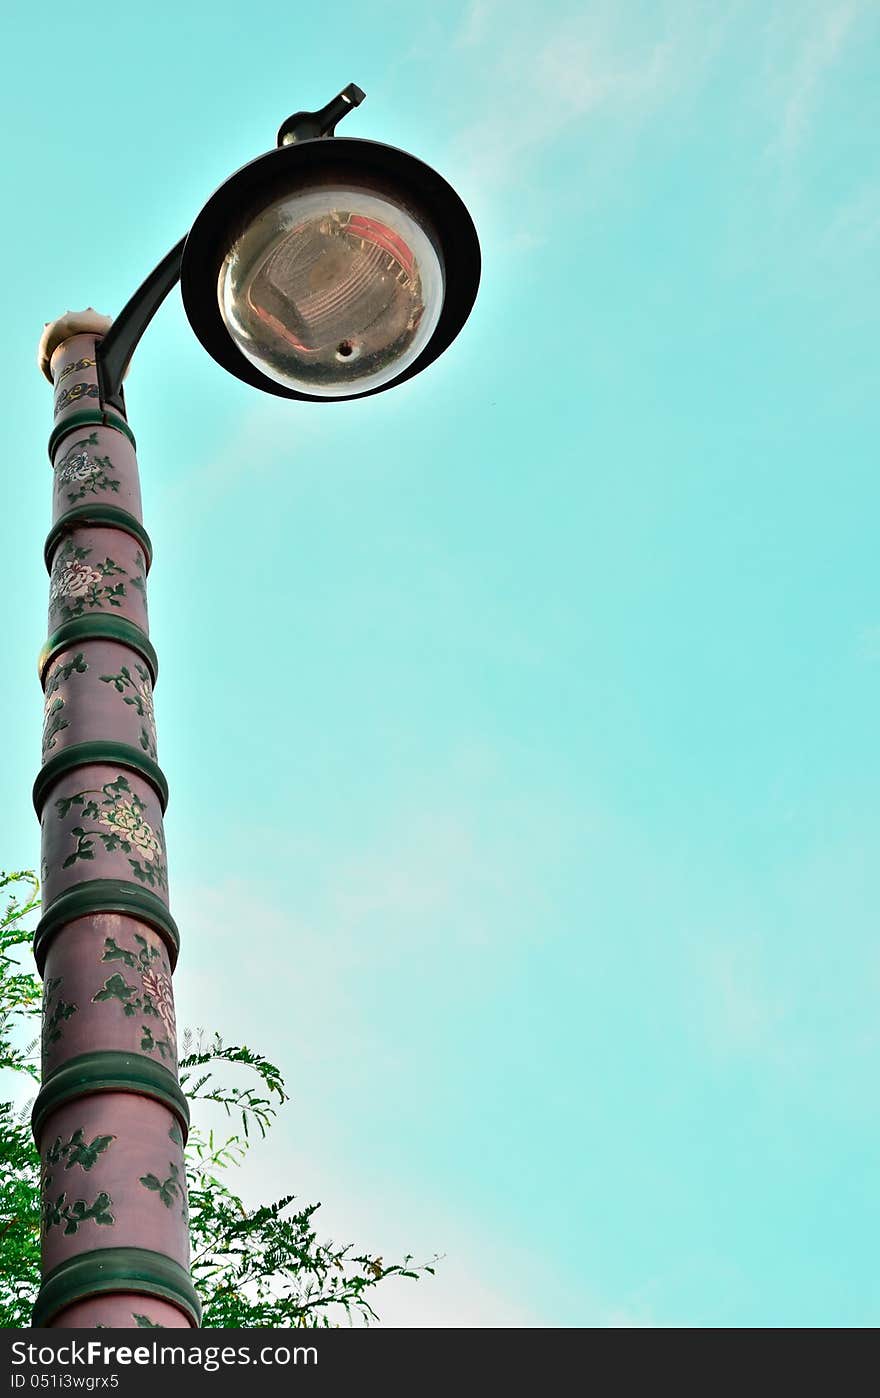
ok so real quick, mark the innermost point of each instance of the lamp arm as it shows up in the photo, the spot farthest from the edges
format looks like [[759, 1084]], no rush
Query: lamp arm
[[122, 339]]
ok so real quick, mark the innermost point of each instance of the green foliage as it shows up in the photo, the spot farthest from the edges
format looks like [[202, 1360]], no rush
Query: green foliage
[[20, 991], [253, 1267], [19, 1163], [19, 1221], [248, 1103]]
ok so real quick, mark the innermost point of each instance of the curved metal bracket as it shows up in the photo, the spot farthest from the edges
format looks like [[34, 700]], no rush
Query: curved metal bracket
[[119, 344]]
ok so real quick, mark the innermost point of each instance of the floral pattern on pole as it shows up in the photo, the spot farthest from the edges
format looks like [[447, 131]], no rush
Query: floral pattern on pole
[[170, 1190], [139, 580], [141, 697], [55, 1012], [77, 585], [76, 1211], [76, 1152], [154, 997], [122, 811], [89, 473], [73, 395], [53, 722], [74, 368]]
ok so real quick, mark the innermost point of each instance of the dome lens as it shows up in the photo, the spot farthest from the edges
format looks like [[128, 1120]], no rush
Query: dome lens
[[332, 291]]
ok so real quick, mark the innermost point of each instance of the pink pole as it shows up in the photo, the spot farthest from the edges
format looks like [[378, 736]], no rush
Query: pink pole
[[110, 1120]]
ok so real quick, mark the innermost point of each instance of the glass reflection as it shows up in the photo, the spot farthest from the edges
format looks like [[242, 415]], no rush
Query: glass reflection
[[332, 291]]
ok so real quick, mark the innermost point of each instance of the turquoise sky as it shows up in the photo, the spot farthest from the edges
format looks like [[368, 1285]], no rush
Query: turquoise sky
[[537, 734]]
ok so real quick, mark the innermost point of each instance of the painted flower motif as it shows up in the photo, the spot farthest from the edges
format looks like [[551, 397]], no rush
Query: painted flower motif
[[127, 821], [158, 986], [146, 697], [78, 467], [52, 721], [144, 840], [73, 580]]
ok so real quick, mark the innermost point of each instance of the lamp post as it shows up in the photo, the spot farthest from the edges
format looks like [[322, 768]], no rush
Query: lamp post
[[325, 270]]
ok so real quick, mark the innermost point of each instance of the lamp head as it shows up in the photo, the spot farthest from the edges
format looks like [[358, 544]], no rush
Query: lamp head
[[330, 268]]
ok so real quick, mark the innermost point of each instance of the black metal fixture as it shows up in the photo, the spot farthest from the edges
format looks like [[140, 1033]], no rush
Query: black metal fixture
[[326, 269]]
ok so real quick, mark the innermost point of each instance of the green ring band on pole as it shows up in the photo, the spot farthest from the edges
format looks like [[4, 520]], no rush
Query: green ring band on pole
[[109, 1270], [88, 417], [99, 628], [104, 516], [104, 751], [106, 896], [108, 1071]]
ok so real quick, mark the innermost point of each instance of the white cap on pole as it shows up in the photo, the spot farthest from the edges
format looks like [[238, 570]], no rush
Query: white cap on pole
[[87, 322]]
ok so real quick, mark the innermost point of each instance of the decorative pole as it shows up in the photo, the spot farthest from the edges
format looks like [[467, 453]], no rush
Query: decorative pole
[[110, 1121]]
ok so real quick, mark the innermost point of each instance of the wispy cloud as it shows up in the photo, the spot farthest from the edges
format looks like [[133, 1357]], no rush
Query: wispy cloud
[[856, 224], [812, 44], [260, 443], [546, 74], [434, 880], [479, 15], [741, 1010], [869, 644]]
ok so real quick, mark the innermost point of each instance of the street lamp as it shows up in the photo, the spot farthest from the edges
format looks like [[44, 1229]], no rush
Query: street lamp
[[327, 269]]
